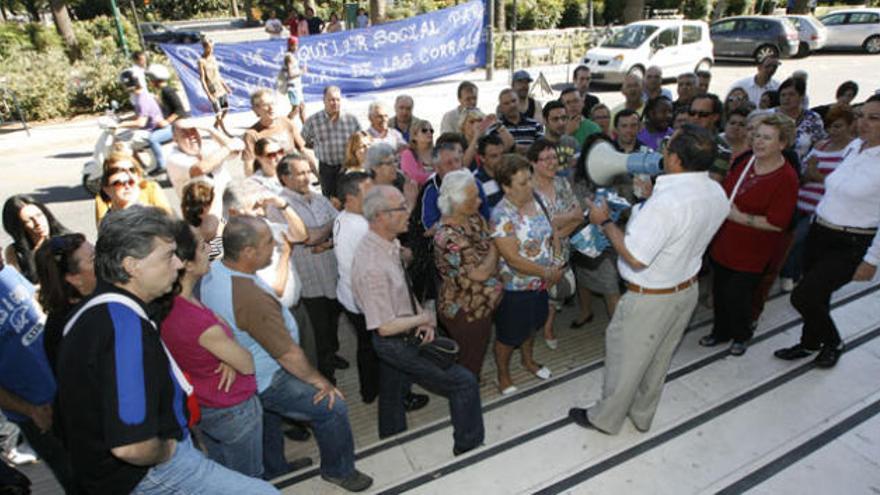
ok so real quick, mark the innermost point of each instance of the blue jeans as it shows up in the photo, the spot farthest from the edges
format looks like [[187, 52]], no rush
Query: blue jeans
[[233, 436], [288, 396], [158, 137], [190, 472], [401, 364]]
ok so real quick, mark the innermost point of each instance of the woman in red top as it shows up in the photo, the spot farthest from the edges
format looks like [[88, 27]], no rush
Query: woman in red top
[[220, 370], [763, 194]]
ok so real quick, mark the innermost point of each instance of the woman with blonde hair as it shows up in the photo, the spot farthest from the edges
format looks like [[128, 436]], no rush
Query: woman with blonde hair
[[123, 184], [356, 152]]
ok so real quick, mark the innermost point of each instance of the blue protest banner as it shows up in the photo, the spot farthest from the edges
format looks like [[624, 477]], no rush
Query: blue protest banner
[[359, 61]]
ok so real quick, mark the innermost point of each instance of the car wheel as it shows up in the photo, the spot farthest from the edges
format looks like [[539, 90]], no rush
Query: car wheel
[[872, 45], [704, 64], [636, 70], [765, 51], [803, 50]]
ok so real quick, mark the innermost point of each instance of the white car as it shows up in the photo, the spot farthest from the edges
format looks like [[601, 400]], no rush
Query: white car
[[811, 32], [676, 46], [853, 28]]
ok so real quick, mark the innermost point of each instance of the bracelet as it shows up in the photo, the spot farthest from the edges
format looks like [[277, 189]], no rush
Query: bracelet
[[605, 222]]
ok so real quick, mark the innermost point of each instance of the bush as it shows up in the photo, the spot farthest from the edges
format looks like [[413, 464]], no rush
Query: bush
[[99, 34], [574, 14], [534, 14], [695, 9]]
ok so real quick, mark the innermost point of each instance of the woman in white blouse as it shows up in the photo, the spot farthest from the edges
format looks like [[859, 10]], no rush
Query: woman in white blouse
[[843, 244]]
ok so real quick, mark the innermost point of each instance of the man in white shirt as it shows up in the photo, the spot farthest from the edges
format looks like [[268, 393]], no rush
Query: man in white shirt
[[659, 257], [761, 82], [379, 129], [192, 157], [467, 98]]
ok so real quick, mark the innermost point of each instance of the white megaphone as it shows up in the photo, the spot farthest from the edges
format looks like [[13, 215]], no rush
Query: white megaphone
[[604, 163]]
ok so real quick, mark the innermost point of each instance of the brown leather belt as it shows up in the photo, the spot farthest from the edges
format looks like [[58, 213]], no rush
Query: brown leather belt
[[668, 290], [840, 228]]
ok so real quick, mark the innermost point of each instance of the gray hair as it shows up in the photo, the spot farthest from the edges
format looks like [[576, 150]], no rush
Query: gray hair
[[241, 195], [377, 153], [240, 232], [374, 106], [129, 232], [452, 190], [403, 97], [376, 200]]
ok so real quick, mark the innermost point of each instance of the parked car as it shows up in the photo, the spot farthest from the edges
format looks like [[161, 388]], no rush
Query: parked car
[[156, 33], [675, 46], [853, 28], [755, 37], [811, 32]]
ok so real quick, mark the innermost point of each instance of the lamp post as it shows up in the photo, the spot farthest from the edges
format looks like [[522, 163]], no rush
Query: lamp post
[[119, 31], [513, 43]]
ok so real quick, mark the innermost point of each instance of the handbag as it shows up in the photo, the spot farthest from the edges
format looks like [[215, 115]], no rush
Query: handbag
[[442, 351], [565, 287]]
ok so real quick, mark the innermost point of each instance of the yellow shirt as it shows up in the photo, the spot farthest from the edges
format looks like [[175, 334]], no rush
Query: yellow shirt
[[151, 195]]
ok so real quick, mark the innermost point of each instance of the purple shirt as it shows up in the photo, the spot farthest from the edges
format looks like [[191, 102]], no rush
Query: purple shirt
[[651, 139], [145, 105]]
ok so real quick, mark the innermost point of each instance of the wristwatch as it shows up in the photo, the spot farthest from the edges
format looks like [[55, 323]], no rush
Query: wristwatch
[[605, 222]]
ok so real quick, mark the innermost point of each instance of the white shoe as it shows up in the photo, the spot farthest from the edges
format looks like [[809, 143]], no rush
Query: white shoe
[[552, 344], [509, 390], [21, 455], [787, 284], [544, 373]]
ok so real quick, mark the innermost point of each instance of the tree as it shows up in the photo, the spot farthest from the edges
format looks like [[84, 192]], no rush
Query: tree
[[800, 7], [377, 12], [632, 10], [500, 16], [65, 29]]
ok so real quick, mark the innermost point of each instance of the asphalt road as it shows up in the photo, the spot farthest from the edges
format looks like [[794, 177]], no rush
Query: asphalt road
[[47, 164]]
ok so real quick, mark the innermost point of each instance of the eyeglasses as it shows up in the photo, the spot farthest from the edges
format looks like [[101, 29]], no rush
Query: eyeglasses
[[696, 113], [427, 130], [392, 210], [274, 154], [120, 183]]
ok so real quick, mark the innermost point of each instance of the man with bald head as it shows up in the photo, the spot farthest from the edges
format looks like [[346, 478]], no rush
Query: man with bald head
[[400, 325], [632, 93], [327, 132]]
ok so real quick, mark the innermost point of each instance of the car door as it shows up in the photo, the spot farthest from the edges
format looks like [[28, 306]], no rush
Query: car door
[[861, 25], [752, 33], [665, 50], [836, 26], [691, 53], [723, 34]]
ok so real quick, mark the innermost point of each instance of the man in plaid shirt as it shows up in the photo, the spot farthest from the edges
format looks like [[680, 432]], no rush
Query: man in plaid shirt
[[327, 132]]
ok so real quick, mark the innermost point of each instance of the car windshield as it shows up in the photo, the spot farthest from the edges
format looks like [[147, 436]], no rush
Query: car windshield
[[630, 37]]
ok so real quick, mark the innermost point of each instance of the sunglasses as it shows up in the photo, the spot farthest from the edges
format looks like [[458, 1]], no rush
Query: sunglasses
[[695, 113], [120, 183], [274, 154], [427, 130]]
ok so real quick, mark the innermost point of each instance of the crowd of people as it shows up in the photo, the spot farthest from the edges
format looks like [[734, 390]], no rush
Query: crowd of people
[[170, 353]]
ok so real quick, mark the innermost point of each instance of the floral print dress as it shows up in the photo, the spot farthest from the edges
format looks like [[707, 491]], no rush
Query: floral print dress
[[534, 234]]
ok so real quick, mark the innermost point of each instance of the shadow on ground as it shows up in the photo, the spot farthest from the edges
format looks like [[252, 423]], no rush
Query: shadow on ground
[[61, 194]]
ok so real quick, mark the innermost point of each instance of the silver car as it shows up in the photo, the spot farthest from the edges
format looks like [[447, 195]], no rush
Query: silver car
[[812, 34], [853, 28]]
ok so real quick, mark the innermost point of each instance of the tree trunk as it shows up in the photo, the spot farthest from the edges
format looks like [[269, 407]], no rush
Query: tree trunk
[[65, 29], [632, 10], [500, 16], [800, 7], [33, 10], [377, 12]]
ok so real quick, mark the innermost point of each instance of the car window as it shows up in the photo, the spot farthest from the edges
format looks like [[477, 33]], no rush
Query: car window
[[833, 19], [755, 25], [796, 21], [691, 34], [668, 37], [863, 18], [630, 36], [723, 27]]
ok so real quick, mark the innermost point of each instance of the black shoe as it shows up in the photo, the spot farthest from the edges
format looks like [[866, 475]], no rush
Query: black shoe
[[829, 355], [340, 363], [579, 416], [711, 341], [357, 482], [578, 324], [738, 348], [369, 399], [297, 433], [414, 402], [457, 451], [156, 172], [796, 351]]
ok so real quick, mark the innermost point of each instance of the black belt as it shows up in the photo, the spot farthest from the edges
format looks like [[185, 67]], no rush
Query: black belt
[[840, 228]]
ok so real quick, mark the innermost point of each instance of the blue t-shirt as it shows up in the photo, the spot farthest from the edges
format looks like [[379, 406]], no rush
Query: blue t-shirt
[[24, 369], [431, 210]]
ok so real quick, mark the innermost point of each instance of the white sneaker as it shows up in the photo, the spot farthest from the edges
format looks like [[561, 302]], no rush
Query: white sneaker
[[787, 284], [21, 455]]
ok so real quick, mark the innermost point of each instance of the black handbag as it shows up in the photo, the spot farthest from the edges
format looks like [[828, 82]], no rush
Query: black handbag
[[442, 351]]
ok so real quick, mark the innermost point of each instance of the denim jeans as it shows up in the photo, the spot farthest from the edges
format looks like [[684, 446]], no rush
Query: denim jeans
[[190, 472], [158, 137], [233, 436], [288, 396], [400, 364]]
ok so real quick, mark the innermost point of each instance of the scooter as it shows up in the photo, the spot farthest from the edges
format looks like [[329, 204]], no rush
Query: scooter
[[133, 141]]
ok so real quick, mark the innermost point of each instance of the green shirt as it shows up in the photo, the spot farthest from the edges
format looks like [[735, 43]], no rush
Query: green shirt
[[586, 129]]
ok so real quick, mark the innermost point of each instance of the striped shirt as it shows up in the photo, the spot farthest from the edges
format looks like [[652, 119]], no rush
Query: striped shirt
[[524, 132], [811, 193]]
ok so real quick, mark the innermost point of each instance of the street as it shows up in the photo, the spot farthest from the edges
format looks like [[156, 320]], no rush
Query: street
[[47, 163]]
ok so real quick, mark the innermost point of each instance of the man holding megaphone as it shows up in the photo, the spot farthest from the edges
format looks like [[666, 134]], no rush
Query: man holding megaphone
[[659, 257]]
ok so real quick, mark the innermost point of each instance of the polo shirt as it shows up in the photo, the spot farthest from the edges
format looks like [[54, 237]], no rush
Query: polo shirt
[[145, 105], [524, 132], [117, 389], [348, 230], [670, 231], [24, 369]]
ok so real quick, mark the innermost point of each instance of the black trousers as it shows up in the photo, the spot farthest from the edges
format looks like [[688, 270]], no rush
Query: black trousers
[[328, 174], [324, 314], [51, 450], [367, 360], [830, 260], [732, 292]]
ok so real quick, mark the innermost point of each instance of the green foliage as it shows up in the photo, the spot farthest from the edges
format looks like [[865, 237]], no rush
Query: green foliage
[[735, 7], [13, 37], [88, 9], [409, 8], [534, 14], [695, 9], [177, 9], [574, 14], [99, 34]]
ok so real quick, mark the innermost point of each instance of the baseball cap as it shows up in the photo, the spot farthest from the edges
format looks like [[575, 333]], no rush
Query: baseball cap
[[522, 75]]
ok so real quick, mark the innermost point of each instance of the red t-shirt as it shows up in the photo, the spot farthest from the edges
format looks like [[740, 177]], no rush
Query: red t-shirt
[[774, 195], [181, 330]]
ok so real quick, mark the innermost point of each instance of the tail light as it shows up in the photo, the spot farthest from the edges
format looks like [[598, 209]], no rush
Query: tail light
[[814, 37], [791, 36]]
